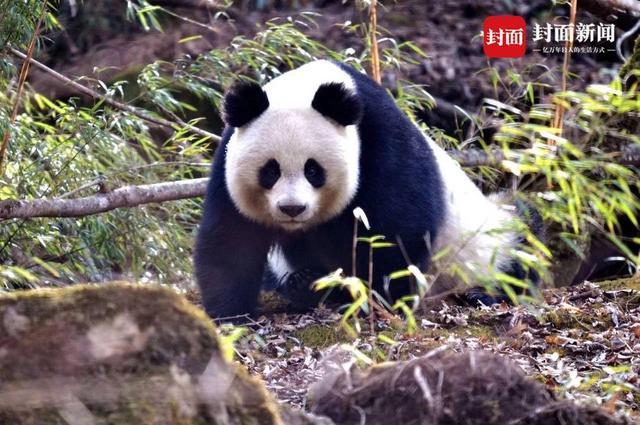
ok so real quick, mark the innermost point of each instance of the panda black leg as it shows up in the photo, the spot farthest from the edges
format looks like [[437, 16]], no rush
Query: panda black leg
[[229, 260], [478, 296], [229, 282]]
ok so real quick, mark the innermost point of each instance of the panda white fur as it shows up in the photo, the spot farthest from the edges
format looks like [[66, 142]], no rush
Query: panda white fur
[[297, 156]]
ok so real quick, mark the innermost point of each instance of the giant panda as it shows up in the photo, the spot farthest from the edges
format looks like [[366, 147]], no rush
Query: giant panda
[[296, 157]]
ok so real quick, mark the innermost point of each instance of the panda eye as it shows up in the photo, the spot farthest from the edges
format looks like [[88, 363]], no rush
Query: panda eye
[[314, 173], [269, 174]]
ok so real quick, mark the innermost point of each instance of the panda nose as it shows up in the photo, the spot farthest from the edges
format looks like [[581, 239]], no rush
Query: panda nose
[[292, 210]]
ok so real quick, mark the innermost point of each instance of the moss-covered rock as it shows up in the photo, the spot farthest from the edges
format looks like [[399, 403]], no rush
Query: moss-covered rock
[[321, 336], [121, 354], [632, 282], [444, 388]]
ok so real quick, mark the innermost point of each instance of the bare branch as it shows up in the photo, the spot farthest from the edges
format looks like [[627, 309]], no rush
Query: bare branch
[[627, 6], [101, 180], [477, 158], [624, 12], [112, 102], [128, 196], [192, 4], [629, 156]]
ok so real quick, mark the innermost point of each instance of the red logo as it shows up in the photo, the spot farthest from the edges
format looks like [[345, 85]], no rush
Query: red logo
[[504, 36]]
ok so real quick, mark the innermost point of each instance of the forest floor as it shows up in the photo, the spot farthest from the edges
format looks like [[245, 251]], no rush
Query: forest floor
[[583, 343]]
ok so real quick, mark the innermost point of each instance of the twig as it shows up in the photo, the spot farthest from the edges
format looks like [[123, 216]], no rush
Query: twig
[[370, 287], [96, 182], [173, 116], [354, 246], [112, 102], [190, 21], [124, 197], [623, 38], [102, 179], [478, 158], [24, 70]]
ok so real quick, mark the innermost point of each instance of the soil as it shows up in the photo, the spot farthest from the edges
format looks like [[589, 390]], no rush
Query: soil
[[582, 344]]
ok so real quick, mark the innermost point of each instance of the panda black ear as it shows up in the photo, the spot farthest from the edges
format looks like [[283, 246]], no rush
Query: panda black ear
[[335, 101], [244, 102]]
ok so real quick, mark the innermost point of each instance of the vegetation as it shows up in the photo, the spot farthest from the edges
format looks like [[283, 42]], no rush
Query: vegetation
[[65, 148], [160, 123]]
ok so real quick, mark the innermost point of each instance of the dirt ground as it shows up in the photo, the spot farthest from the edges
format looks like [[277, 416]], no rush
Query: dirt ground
[[584, 344]]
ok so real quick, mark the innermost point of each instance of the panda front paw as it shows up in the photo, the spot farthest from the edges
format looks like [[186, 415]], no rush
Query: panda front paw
[[478, 296], [297, 288]]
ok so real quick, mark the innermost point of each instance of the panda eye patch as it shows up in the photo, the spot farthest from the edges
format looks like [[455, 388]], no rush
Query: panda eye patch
[[269, 174], [314, 173]]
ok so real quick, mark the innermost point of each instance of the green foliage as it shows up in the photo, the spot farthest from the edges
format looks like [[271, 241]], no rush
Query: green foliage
[[573, 180], [580, 187], [71, 148], [58, 148], [358, 290], [228, 336], [19, 19], [366, 300]]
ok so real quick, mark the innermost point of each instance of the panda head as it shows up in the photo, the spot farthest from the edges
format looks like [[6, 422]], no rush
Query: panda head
[[293, 159]]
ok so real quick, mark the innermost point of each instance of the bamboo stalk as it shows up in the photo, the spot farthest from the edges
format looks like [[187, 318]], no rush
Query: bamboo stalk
[[373, 29], [559, 112], [24, 70]]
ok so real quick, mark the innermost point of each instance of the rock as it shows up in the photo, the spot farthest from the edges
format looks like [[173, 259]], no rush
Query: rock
[[122, 354], [444, 388]]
